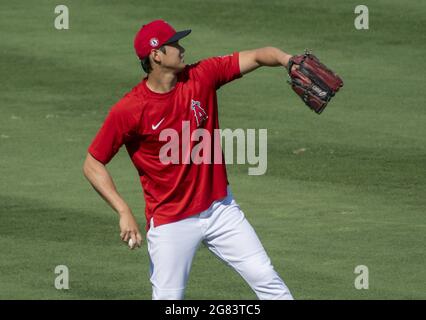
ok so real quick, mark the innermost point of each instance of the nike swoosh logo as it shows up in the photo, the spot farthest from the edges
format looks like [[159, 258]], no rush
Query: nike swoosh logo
[[157, 125]]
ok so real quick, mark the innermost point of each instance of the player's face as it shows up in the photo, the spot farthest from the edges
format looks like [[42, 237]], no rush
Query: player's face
[[174, 56]]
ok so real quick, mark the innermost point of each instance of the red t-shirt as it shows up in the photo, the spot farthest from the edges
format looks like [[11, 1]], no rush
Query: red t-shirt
[[173, 191]]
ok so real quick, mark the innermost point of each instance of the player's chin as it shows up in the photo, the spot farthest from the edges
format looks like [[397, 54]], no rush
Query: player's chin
[[180, 66]]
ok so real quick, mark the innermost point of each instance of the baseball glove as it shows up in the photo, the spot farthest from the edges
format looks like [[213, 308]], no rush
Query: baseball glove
[[313, 81]]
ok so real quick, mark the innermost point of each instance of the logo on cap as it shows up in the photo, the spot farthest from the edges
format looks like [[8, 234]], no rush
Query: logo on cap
[[153, 42]]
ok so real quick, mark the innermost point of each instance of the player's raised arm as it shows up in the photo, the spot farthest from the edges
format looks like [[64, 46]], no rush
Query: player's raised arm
[[269, 56]]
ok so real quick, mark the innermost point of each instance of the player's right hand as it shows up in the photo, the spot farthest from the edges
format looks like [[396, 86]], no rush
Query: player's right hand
[[129, 229]]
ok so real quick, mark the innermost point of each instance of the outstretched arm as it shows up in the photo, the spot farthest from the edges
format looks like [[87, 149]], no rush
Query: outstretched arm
[[100, 179], [269, 56]]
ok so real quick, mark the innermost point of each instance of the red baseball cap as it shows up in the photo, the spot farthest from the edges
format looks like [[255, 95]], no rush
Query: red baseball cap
[[155, 34]]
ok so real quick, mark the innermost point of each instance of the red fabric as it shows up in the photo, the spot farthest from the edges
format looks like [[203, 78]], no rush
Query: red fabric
[[172, 191], [152, 36]]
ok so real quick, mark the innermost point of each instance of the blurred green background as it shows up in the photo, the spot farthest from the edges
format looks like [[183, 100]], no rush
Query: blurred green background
[[355, 196]]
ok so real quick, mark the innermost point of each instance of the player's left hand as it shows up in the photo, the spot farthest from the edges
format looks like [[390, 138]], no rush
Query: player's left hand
[[314, 82]]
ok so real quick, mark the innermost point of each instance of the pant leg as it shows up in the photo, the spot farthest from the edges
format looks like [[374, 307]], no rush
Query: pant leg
[[230, 237], [171, 249]]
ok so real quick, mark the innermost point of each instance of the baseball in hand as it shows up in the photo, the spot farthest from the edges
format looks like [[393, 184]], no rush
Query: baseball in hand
[[131, 243]]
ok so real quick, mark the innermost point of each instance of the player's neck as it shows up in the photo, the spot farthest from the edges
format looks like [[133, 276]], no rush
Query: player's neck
[[160, 81]]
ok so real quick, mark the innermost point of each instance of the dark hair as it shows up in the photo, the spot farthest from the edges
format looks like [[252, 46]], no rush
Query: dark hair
[[146, 63]]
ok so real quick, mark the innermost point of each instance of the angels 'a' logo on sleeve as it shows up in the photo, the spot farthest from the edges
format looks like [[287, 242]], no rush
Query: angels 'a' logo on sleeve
[[199, 113]]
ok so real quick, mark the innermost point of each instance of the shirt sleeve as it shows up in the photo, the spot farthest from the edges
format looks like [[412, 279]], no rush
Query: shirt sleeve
[[120, 125], [220, 70]]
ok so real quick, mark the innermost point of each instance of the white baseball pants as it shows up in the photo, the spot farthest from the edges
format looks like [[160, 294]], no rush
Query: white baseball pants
[[226, 232]]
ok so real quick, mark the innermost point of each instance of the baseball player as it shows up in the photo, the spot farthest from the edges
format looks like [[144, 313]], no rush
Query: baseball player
[[186, 202]]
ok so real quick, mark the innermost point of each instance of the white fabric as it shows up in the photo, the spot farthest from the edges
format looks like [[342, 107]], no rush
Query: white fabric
[[226, 232]]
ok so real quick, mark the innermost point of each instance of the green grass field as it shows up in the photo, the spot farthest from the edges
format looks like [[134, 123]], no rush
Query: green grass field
[[356, 196]]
